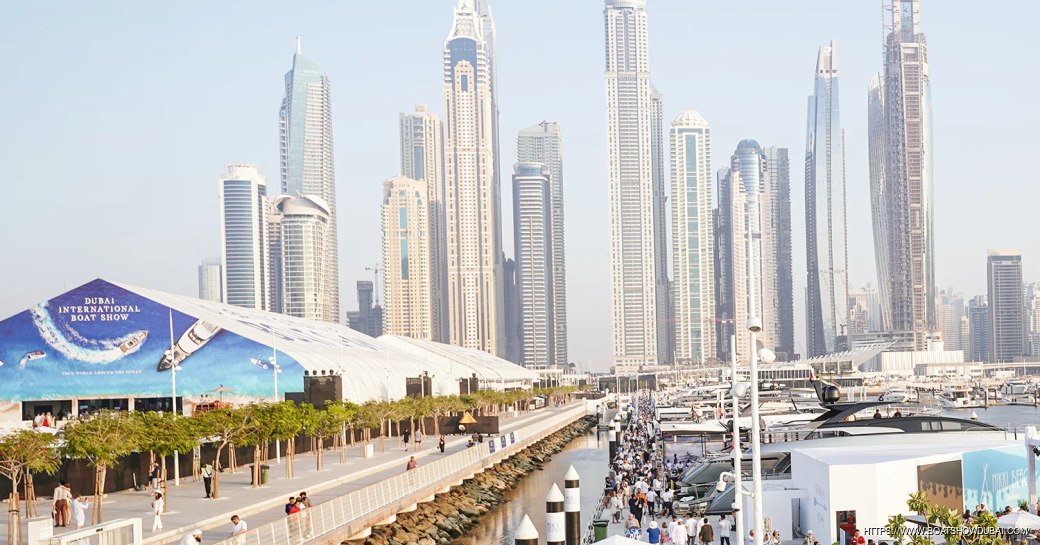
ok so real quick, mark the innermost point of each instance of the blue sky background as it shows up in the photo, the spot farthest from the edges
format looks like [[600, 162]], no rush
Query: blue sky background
[[120, 117]]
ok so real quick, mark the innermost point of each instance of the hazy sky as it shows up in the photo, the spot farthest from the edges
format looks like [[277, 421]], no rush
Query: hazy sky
[[121, 116]]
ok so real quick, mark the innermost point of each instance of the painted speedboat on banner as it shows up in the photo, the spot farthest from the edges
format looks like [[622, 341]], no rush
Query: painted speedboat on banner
[[200, 333], [34, 355]]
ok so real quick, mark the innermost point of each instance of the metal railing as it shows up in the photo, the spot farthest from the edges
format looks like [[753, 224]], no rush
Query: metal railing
[[352, 513], [115, 532]]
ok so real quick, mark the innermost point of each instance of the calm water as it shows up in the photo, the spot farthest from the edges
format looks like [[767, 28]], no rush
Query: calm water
[[1004, 415], [587, 454]]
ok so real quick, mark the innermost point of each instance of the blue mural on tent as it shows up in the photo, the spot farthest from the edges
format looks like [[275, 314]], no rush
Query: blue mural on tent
[[102, 340], [996, 477]]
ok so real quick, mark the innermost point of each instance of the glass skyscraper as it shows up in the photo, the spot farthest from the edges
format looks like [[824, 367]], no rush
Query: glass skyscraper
[[307, 169], [826, 240]]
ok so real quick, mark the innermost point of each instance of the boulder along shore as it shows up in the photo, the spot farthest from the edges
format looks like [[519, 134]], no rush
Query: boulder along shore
[[454, 513]]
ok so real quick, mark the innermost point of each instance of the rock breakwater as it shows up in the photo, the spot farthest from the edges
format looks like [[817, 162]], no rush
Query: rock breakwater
[[454, 513]]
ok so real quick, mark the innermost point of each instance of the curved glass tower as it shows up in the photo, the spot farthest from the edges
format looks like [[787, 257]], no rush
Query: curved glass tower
[[826, 241]]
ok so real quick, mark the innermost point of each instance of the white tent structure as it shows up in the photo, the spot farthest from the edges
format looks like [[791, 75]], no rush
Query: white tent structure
[[371, 368]]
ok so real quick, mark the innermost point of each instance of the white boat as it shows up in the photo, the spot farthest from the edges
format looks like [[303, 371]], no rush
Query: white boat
[[34, 355], [134, 342], [193, 339], [955, 398], [896, 395]]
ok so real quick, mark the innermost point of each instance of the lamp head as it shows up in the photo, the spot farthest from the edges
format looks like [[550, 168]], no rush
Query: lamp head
[[740, 389], [766, 355], [754, 325]]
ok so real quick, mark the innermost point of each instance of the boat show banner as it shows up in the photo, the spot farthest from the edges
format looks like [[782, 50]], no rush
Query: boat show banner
[[996, 477], [100, 340]]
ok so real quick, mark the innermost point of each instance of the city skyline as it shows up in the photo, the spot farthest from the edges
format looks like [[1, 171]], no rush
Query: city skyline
[[972, 281]]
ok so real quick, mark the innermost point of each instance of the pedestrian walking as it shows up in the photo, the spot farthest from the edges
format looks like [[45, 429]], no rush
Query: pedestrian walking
[[411, 464], [653, 533], [157, 510], [238, 530], [418, 439], [79, 511], [406, 435], [725, 527], [191, 538], [153, 476], [207, 479], [440, 444], [707, 534], [60, 504], [677, 531], [692, 530]]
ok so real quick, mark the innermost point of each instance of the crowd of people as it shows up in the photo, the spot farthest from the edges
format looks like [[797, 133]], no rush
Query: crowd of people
[[643, 484]]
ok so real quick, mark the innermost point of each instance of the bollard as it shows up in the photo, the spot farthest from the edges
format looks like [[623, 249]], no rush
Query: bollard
[[612, 447], [525, 533], [572, 506], [554, 525]]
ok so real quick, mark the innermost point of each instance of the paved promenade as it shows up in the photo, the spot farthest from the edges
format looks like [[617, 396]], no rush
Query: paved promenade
[[188, 508]]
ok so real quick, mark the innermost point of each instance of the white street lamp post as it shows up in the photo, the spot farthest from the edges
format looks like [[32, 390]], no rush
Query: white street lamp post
[[173, 399], [754, 325], [738, 503]]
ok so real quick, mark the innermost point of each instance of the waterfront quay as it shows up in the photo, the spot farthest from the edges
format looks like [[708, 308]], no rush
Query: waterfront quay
[[347, 500]]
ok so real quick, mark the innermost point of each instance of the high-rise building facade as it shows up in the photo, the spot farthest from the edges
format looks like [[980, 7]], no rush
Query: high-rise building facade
[[368, 318], [210, 281], [638, 309], [978, 329], [949, 316], [900, 133], [307, 167], [422, 159], [826, 238], [1033, 319], [659, 158], [472, 192], [864, 311], [244, 237], [778, 215], [511, 310], [542, 143], [1007, 306], [407, 276], [747, 199], [532, 228], [693, 239], [304, 227]]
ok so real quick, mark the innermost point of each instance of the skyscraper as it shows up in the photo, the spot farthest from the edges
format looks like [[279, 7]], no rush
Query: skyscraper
[[210, 274], [422, 159], [1007, 320], [826, 240], [244, 241], [638, 311], [900, 133], [693, 239], [978, 329], [511, 311], [748, 179], [659, 158], [532, 228], [407, 282], [1033, 319], [949, 314], [303, 231], [864, 311], [368, 318], [473, 203], [542, 144], [777, 221], [305, 135]]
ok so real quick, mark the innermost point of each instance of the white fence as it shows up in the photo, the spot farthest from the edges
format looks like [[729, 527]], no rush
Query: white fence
[[115, 532], [352, 513]]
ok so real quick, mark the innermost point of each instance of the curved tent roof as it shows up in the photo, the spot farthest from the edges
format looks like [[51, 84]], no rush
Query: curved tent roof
[[371, 368]]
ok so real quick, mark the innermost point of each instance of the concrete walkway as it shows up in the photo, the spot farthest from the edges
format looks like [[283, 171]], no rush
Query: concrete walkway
[[188, 508]]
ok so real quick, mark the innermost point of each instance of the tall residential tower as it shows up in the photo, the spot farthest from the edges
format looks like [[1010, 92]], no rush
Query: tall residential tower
[[693, 239], [472, 192], [408, 303], [1007, 306], [637, 276], [532, 229], [422, 159], [542, 144], [244, 240], [305, 135], [826, 239], [900, 134]]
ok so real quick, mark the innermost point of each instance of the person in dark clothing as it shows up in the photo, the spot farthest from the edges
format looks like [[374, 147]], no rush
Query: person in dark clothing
[[289, 506], [440, 444], [877, 414]]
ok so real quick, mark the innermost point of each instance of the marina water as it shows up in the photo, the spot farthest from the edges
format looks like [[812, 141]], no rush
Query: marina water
[[588, 455]]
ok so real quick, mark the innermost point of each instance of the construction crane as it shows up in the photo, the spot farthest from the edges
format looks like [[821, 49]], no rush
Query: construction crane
[[376, 270]]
